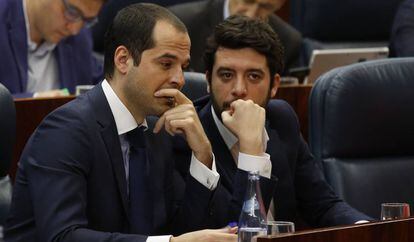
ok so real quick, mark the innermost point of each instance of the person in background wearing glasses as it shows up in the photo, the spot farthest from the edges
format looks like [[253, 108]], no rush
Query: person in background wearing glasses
[[46, 47], [201, 18]]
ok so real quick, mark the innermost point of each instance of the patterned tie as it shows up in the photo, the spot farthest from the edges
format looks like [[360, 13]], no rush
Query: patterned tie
[[140, 200]]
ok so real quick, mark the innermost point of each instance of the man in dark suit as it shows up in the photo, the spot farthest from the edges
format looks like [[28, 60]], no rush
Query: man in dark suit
[[250, 133], [402, 34], [45, 48], [201, 18], [95, 169]]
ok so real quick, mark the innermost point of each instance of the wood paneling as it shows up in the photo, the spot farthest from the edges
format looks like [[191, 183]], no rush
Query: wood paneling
[[389, 231]]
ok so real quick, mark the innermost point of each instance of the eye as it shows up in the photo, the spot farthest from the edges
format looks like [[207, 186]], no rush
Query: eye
[[166, 64], [225, 75], [255, 76]]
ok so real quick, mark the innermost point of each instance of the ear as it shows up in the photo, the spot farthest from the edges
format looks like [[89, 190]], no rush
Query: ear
[[275, 85], [121, 60], [208, 77]]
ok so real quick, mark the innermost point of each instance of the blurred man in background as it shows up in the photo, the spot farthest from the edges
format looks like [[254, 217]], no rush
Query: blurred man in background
[[201, 18], [45, 47]]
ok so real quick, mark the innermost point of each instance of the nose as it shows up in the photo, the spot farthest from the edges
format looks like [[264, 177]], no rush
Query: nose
[[253, 11], [239, 88], [177, 80], [74, 28]]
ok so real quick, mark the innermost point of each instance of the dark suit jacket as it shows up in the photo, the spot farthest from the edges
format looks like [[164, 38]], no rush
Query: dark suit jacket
[[76, 64], [71, 183], [402, 34], [201, 17], [301, 191]]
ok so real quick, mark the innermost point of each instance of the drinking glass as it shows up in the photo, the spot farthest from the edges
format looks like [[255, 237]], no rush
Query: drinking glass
[[391, 211], [279, 227]]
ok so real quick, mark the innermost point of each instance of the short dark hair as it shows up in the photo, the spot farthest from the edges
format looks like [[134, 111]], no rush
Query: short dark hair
[[133, 28], [237, 32]]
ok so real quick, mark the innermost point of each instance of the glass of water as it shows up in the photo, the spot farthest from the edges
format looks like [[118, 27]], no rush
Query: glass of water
[[391, 211], [250, 234], [280, 227]]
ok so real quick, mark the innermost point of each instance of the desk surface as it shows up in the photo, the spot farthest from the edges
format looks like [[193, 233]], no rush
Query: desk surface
[[31, 111], [385, 231]]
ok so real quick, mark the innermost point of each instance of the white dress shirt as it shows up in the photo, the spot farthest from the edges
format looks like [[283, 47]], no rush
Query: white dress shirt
[[42, 69], [125, 122]]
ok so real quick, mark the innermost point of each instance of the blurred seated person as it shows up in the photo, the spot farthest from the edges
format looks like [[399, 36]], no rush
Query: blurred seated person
[[44, 46], [402, 34], [108, 13], [201, 18], [250, 131]]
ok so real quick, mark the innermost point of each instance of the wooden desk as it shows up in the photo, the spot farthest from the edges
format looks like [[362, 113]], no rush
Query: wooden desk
[[30, 112], [388, 231]]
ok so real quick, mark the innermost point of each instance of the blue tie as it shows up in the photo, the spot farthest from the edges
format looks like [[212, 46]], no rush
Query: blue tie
[[140, 199]]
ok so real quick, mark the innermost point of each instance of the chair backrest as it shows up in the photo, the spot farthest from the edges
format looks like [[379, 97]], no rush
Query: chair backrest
[[362, 130], [195, 85], [7, 139], [338, 20]]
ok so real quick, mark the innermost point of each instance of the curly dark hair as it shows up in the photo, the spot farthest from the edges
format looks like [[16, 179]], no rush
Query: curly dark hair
[[237, 32]]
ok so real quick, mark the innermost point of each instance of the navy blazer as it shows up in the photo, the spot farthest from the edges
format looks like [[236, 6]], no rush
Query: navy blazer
[[402, 34], [201, 18], [76, 64], [71, 183], [301, 192]]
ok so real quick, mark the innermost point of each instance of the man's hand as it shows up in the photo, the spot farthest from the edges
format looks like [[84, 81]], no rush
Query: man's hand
[[213, 235], [246, 120], [183, 119]]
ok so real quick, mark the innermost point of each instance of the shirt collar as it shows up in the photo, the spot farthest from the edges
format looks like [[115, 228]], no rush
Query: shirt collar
[[124, 120], [229, 138], [226, 9], [41, 49]]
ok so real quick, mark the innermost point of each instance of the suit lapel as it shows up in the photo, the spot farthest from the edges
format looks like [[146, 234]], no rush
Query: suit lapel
[[18, 41], [224, 160], [110, 137]]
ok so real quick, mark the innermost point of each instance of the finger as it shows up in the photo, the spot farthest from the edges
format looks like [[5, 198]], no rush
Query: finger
[[229, 230], [226, 116], [180, 108], [179, 97], [159, 124]]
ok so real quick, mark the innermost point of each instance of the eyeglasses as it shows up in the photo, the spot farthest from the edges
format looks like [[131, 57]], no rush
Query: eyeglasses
[[73, 14]]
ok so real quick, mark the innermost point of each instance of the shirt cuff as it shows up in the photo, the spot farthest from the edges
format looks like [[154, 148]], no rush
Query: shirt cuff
[[163, 238], [361, 222], [200, 172], [261, 163]]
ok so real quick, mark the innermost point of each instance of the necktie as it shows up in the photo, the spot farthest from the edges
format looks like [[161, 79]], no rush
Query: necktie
[[140, 202]]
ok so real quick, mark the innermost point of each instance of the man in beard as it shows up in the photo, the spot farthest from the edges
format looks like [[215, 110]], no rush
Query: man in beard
[[250, 131]]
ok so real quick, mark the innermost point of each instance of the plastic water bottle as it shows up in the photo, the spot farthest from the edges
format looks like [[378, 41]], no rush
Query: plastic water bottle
[[253, 216]]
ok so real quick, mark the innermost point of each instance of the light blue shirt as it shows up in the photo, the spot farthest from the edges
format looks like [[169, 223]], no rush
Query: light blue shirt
[[43, 70]]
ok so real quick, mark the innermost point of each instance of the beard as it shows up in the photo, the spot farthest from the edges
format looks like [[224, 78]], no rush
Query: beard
[[218, 109]]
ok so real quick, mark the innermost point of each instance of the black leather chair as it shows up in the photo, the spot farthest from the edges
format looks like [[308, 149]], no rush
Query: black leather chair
[[195, 85], [362, 130], [7, 139]]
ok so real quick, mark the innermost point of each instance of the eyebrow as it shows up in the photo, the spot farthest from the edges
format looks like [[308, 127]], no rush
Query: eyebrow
[[224, 69], [174, 57]]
